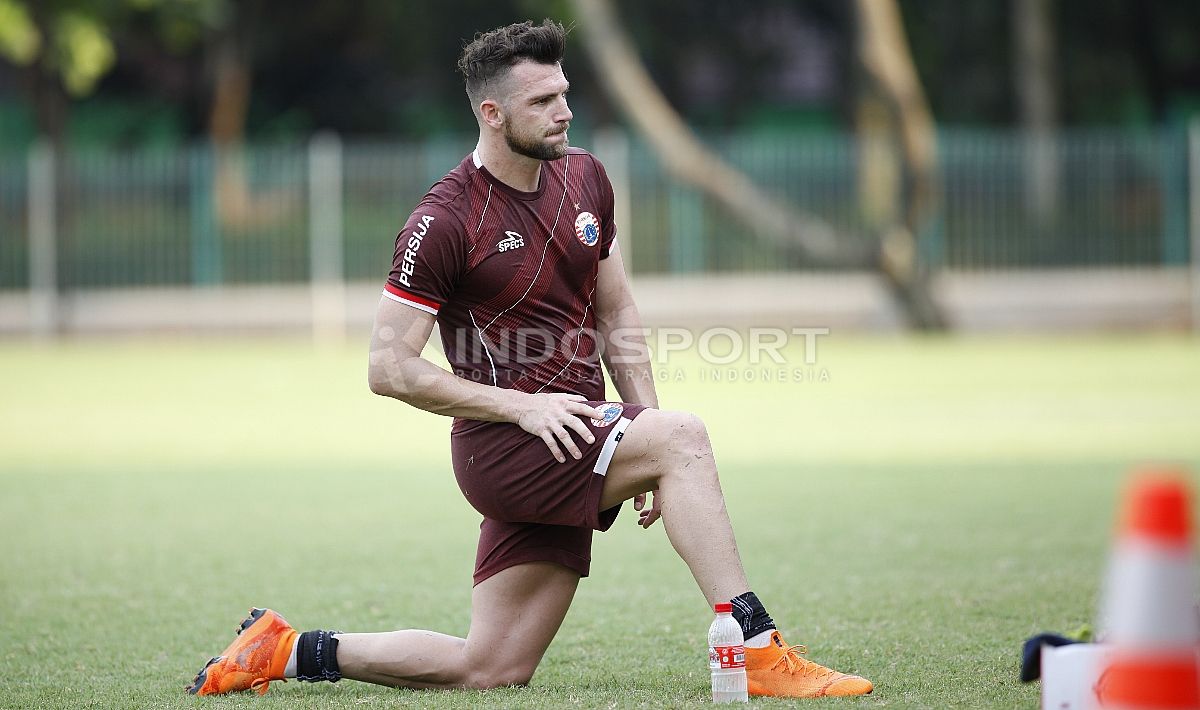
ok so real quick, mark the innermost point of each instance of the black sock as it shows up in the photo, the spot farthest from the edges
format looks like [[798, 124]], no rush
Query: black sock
[[749, 612], [316, 657]]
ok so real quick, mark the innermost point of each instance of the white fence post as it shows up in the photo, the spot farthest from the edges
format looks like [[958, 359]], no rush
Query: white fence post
[[43, 242], [1194, 216], [612, 147], [325, 239]]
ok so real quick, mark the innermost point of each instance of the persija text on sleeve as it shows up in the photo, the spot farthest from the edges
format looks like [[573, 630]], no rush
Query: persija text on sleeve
[[429, 259]]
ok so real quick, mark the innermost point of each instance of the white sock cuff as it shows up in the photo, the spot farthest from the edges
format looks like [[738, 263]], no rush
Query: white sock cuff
[[289, 671]]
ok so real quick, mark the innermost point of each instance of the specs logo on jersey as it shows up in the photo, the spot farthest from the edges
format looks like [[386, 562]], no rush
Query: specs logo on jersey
[[587, 228], [512, 241], [410, 253], [612, 412]]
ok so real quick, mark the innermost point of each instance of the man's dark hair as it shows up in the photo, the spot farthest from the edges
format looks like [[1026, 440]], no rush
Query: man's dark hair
[[491, 54]]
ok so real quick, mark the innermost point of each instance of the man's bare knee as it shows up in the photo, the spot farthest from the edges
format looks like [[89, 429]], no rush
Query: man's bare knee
[[687, 442], [500, 676], [671, 444]]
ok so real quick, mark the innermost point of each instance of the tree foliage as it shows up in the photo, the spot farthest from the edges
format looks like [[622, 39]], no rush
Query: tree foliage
[[70, 40], [381, 67]]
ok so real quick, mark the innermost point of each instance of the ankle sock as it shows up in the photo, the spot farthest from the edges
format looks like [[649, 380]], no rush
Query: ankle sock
[[756, 623], [289, 671], [316, 657], [759, 640]]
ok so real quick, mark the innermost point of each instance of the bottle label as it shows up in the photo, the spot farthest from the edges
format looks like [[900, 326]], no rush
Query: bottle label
[[726, 657]]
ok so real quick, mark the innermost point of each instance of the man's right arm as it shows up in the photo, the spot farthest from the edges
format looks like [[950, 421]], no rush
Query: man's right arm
[[397, 370]]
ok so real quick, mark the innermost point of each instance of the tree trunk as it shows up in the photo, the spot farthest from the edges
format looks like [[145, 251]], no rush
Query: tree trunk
[[231, 89], [238, 206], [895, 125], [689, 161], [1147, 50], [50, 103], [227, 126], [1033, 68], [626, 80]]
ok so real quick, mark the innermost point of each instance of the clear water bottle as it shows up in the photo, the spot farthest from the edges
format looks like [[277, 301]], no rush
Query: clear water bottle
[[727, 657]]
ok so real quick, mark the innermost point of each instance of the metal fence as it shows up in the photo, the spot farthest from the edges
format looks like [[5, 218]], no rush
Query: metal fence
[[155, 218]]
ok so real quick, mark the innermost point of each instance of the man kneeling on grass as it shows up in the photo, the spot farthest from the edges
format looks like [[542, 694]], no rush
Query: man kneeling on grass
[[519, 239]]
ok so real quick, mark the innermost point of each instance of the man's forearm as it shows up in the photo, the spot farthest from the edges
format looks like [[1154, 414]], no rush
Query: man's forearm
[[627, 357], [424, 385]]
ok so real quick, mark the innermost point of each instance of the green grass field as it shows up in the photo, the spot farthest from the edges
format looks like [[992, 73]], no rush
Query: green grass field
[[912, 519]]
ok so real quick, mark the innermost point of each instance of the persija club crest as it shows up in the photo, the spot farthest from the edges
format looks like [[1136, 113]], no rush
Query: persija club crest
[[587, 228], [612, 412]]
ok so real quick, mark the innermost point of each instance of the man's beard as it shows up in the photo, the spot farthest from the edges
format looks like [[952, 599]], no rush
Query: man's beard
[[533, 148]]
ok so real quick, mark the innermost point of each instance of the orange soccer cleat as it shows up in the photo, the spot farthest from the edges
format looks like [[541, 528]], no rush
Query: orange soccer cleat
[[782, 671], [256, 657]]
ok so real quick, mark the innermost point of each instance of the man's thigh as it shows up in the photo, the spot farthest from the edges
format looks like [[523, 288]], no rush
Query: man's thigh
[[509, 475], [649, 443], [503, 545]]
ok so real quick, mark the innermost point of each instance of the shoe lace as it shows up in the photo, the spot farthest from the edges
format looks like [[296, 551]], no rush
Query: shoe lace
[[260, 685], [793, 657]]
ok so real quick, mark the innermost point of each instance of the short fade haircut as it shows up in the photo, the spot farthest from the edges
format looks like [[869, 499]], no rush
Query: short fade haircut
[[487, 59]]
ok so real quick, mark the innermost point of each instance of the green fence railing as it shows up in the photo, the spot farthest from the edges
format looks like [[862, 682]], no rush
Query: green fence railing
[[155, 217]]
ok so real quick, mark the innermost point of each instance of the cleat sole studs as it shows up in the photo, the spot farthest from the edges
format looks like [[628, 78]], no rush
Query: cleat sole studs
[[255, 615], [198, 681]]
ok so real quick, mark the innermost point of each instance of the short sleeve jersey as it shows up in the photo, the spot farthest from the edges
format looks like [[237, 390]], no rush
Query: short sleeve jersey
[[511, 275]]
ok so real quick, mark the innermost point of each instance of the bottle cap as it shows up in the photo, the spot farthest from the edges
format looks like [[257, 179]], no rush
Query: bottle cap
[[723, 608]]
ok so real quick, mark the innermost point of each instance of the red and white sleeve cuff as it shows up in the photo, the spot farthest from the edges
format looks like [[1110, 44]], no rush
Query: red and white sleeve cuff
[[410, 299]]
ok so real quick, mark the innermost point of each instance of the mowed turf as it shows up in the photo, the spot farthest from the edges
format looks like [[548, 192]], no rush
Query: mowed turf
[[912, 510]]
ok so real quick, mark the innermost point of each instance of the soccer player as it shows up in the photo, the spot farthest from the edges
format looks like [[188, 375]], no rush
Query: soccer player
[[513, 255]]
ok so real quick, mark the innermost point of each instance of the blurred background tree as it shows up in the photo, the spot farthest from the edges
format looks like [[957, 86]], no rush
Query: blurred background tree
[[132, 72], [168, 73]]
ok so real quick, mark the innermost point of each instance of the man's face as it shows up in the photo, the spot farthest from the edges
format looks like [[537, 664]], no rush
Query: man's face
[[536, 112]]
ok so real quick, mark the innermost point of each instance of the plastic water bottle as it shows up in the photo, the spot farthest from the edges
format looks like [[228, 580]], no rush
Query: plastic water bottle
[[727, 657]]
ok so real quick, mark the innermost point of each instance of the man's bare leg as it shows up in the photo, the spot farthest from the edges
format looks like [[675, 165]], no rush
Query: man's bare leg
[[670, 452], [514, 616]]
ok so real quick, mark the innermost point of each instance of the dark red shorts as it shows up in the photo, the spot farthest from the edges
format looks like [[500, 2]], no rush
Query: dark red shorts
[[534, 508]]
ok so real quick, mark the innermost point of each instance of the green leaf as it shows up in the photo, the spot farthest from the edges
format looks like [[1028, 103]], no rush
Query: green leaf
[[20, 40], [86, 52]]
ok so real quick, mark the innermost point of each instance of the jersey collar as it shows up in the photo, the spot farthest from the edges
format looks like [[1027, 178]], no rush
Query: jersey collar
[[505, 187]]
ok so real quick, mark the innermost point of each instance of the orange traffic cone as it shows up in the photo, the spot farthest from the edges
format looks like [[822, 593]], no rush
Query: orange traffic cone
[[1150, 601]]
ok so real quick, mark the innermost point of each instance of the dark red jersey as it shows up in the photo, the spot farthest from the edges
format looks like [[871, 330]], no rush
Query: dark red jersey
[[511, 275]]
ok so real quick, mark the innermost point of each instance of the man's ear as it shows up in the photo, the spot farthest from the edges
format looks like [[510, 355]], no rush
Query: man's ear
[[492, 113]]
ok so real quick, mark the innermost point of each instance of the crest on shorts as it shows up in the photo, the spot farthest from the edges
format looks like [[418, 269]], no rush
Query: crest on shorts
[[612, 412], [587, 228]]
